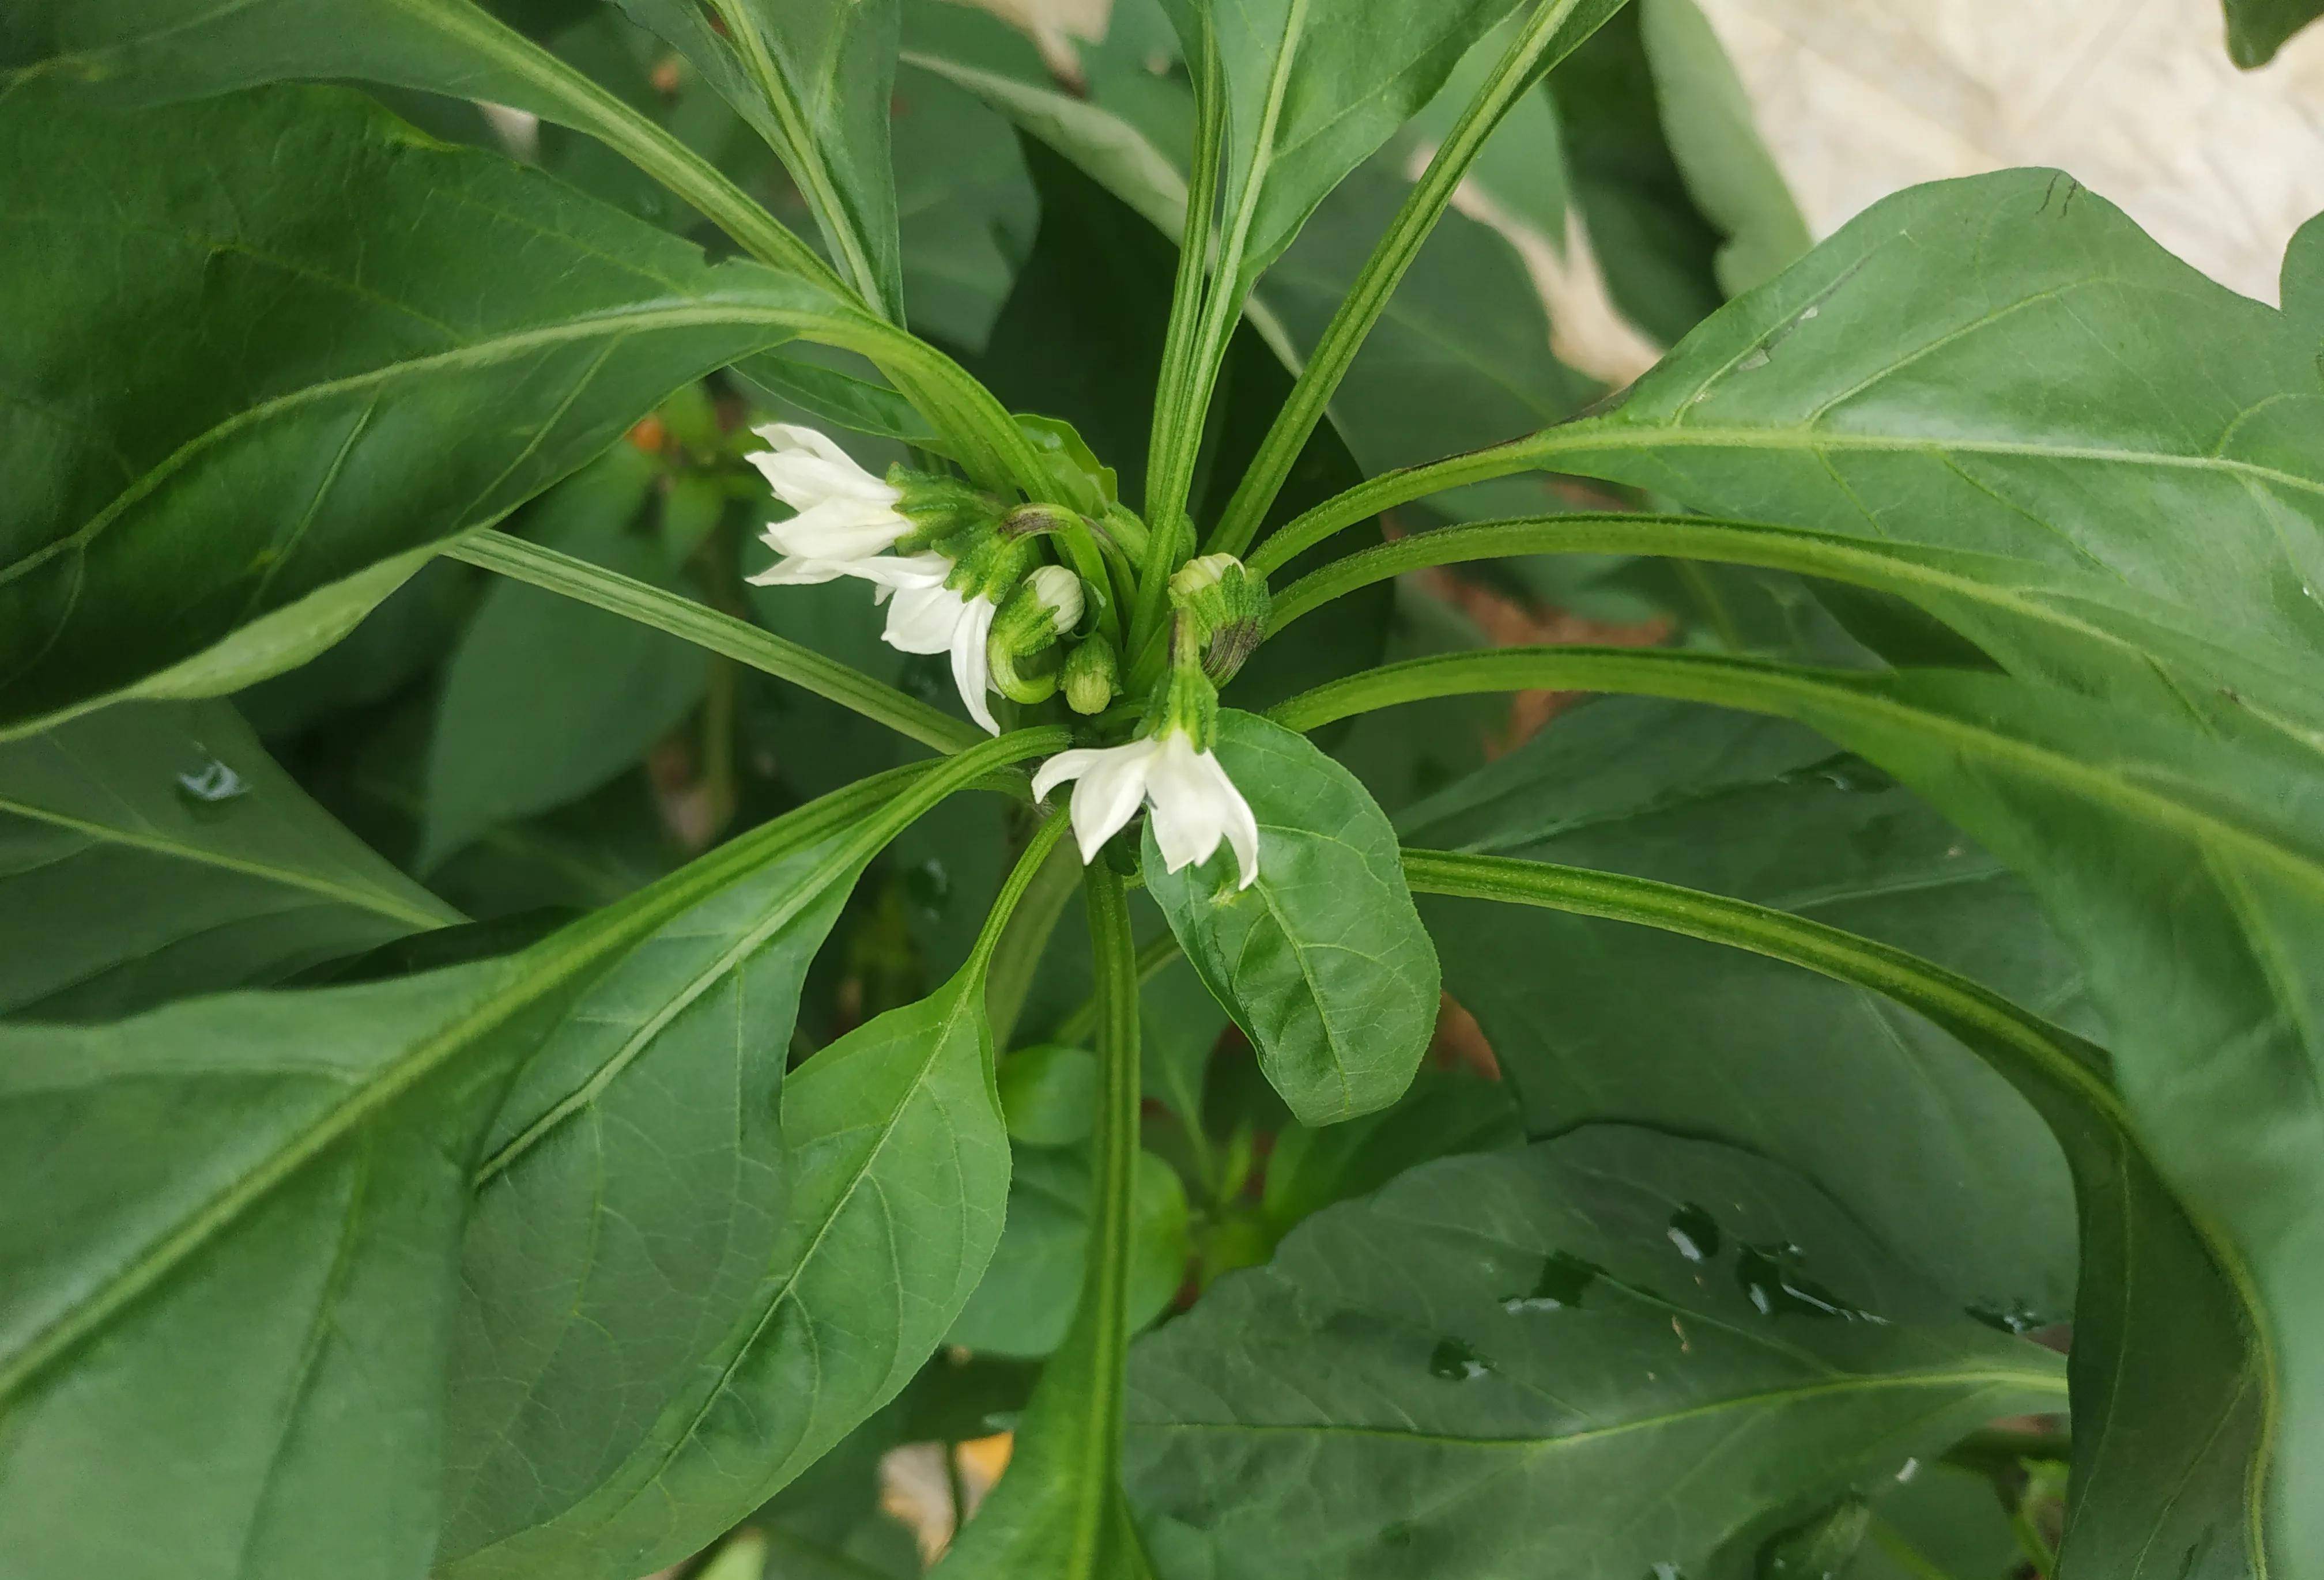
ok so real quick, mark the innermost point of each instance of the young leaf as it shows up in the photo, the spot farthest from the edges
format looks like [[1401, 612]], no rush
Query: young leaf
[[1479, 1365], [814, 78], [1322, 960], [2257, 29], [318, 371], [238, 878], [1311, 90], [899, 1166]]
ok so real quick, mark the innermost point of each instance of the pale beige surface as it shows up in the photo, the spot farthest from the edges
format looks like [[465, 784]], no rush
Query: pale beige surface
[[2136, 97]]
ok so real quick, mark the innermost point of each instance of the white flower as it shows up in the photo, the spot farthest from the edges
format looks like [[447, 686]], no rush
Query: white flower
[[847, 519], [1196, 804], [928, 617]]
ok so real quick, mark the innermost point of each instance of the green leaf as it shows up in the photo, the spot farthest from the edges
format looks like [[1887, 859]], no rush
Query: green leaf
[[1311, 91], [1931, 1150], [1323, 961], [545, 699], [317, 403], [1714, 136], [137, 52], [1445, 1114], [238, 879], [1026, 1302], [1059, 1511], [2257, 29], [899, 1174], [278, 1184], [2087, 397], [814, 78], [1497, 1358]]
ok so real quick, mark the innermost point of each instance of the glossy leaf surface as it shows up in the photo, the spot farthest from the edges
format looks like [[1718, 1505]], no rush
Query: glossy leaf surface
[[411, 382], [239, 879], [1477, 1367]]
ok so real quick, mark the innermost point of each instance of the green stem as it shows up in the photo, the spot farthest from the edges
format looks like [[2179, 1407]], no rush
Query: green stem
[[1980, 1018], [580, 103], [1178, 409], [1017, 960], [721, 633], [1385, 493], [1078, 1026], [1104, 1313], [1520, 68], [803, 159], [1819, 698], [1883, 567]]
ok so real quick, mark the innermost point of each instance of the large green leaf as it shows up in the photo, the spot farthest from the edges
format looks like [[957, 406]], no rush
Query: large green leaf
[[151, 51], [1311, 89], [1932, 1150], [333, 345], [1510, 1365], [814, 77], [1322, 960], [2257, 29], [298, 1173], [899, 1165], [236, 877], [2004, 364]]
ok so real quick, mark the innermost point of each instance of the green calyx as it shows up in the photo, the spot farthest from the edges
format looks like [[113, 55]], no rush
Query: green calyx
[[1093, 676], [1222, 608], [1023, 650]]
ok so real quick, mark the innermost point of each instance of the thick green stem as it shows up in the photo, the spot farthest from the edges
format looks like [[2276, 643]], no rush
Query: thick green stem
[[1983, 1020], [1102, 1321], [721, 633], [1516, 71]]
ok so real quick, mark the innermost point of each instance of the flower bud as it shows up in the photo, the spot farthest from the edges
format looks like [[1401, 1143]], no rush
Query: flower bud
[[1222, 613], [1044, 607], [1093, 676]]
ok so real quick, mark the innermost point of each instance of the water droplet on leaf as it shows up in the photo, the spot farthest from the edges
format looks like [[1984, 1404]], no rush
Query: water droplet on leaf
[[1771, 1279], [1455, 1361], [2017, 1318], [1561, 1283], [1695, 1233], [211, 784]]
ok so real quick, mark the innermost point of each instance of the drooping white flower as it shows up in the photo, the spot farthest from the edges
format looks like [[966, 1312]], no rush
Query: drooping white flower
[[1196, 804], [847, 519], [928, 617]]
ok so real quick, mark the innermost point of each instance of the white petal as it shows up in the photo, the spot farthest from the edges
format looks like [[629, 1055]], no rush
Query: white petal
[[1241, 827], [806, 469], [1189, 820], [839, 529], [972, 671], [1065, 766], [922, 619], [889, 571], [799, 571], [1108, 795]]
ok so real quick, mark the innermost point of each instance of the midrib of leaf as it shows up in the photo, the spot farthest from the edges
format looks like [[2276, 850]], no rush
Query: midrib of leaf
[[479, 354], [378, 904], [555, 964], [2042, 1380]]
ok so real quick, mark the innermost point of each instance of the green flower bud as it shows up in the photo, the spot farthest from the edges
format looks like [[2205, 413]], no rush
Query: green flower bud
[[1022, 651], [1222, 613], [1093, 676]]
